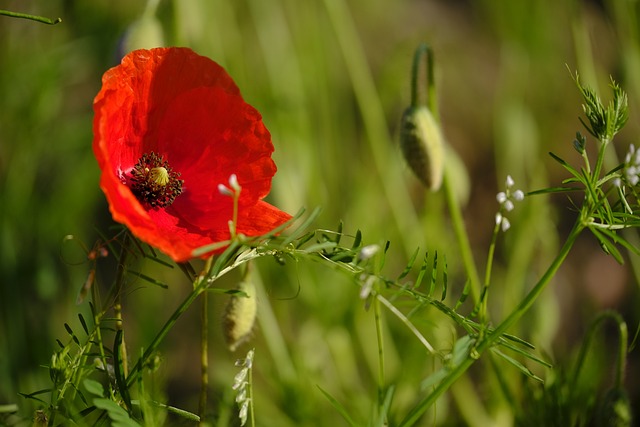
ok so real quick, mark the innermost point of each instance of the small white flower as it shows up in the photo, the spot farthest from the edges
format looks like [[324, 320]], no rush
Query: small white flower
[[508, 205], [368, 251], [509, 181], [367, 286], [631, 167], [243, 387], [233, 183], [233, 188], [506, 200], [224, 190]]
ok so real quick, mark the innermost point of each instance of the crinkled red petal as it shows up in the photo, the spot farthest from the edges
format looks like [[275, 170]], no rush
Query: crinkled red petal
[[187, 109]]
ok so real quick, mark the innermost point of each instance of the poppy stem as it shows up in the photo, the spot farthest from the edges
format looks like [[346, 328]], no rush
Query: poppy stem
[[424, 50], [117, 304], [204, 355], [204, 347]]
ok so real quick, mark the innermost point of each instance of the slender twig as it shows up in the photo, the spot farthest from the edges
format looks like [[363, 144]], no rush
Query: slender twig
[[36, 18]]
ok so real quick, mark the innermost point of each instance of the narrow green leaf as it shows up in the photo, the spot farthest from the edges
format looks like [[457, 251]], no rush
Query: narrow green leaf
[[618, 239], [464, 295], [526, 354], [338, 406], [83, 323], [319, 247], [518, 341], [357, 240], [384, 407], [409, 266], [566, 165], [423, 269], [517, 364], [300, 230], [608, 246], [180, 412], [444, 278], [70, 332], [149, 279], [434, 273], [339, 232], [304, 239]]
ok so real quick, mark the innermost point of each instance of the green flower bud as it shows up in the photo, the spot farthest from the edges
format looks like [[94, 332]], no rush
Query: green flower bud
[[422, 145], [240, 315]]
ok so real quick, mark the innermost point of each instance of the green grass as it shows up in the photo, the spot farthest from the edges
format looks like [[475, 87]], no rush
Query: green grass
[[331, 79]]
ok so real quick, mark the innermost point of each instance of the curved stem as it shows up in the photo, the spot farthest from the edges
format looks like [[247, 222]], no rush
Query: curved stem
[[622, 346], [422, 50], [31, 17]]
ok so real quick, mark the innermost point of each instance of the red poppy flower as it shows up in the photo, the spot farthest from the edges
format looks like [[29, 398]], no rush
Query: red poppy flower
[[169, 127]]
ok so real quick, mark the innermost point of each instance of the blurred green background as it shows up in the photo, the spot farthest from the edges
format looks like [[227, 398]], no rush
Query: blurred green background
[[331, 79]]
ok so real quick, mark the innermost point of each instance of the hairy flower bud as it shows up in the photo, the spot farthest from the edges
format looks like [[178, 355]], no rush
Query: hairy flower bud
[[240, 315], [422, 145]]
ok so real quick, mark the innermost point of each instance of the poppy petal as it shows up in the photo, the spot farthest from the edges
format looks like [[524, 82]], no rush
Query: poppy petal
[[186, 109]]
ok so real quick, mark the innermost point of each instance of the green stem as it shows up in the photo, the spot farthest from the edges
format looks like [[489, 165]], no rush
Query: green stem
[[491, 338], [117, 305], [622, 346], [204, 355], [424, 49], [381, 376], [487, 274], [31, 17], [599, 161], [462, 238], [252, 413], [163, 332], [201, 284]]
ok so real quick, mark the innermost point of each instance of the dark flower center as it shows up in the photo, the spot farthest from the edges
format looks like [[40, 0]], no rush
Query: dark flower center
[[154, 183]]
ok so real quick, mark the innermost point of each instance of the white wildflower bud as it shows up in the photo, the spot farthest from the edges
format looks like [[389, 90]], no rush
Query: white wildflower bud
[[508, 205], [233, 183], [368, 251], [224, 190], [505, 224], [422, 145]]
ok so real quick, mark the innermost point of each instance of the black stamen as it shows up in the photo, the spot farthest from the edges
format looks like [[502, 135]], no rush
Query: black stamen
[[154, 183]]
